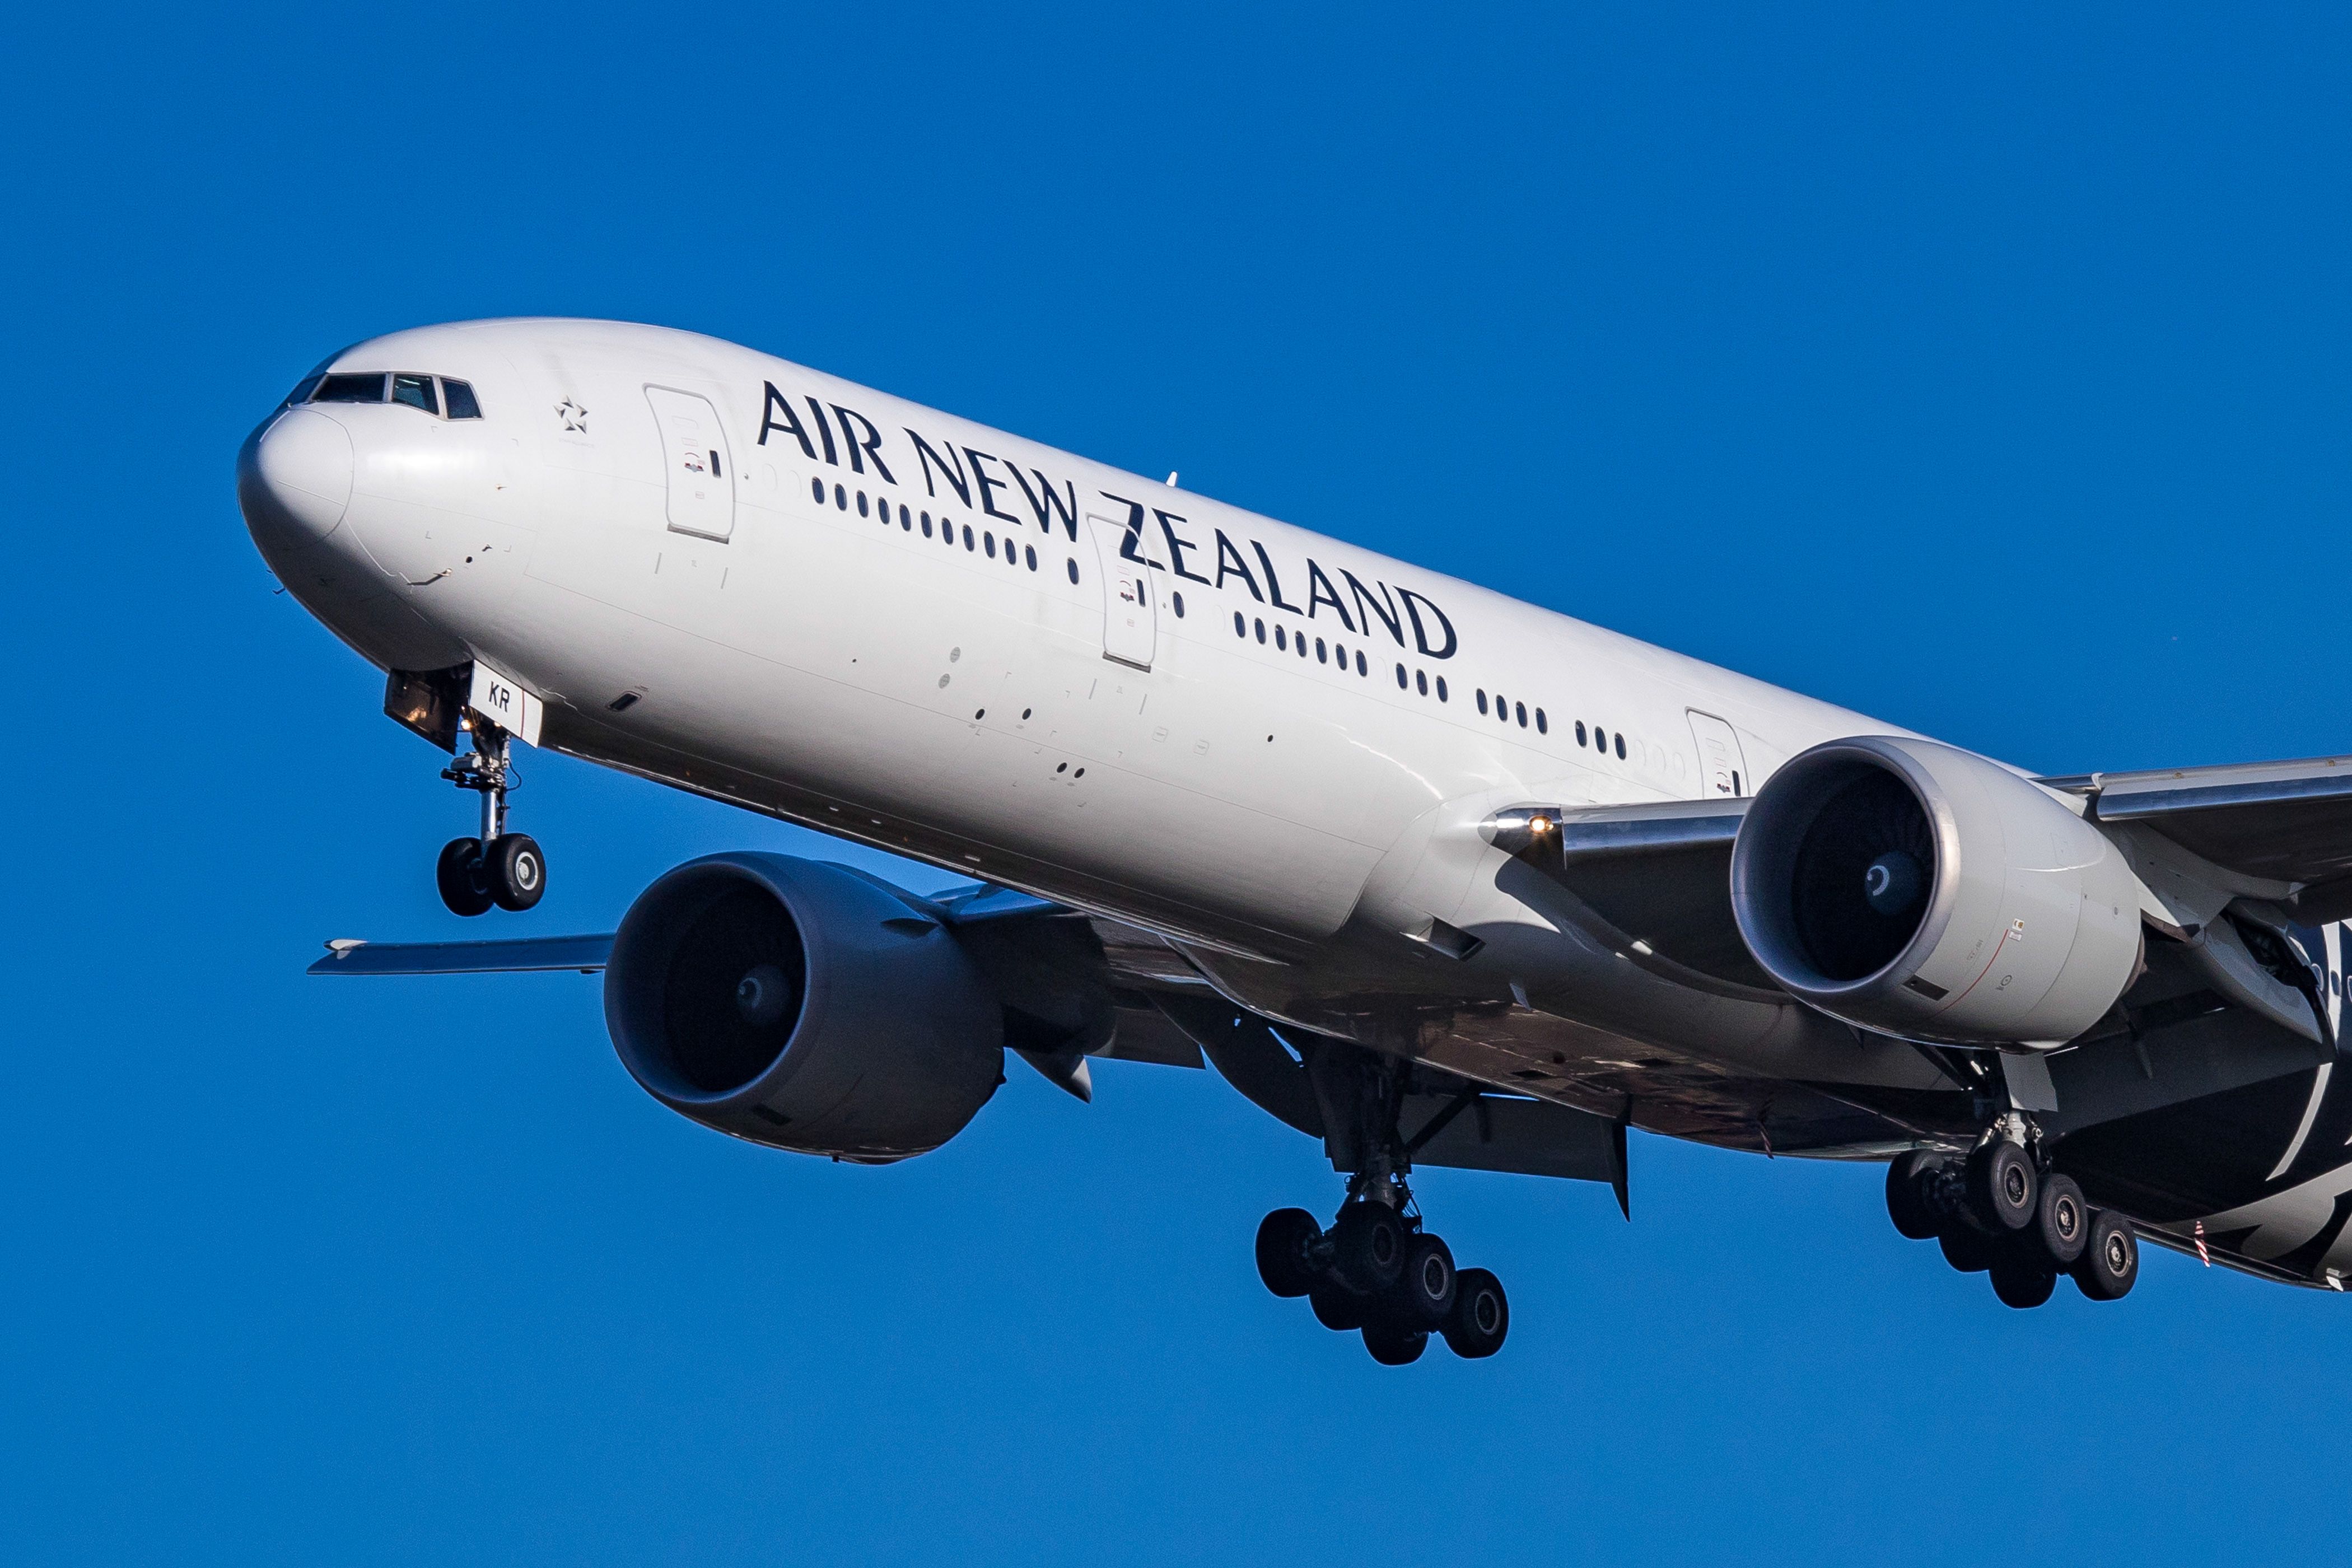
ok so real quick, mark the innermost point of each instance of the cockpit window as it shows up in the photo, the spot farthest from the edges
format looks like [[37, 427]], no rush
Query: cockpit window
[[417, 391], [461, 400], [350, 389], [303, 389]]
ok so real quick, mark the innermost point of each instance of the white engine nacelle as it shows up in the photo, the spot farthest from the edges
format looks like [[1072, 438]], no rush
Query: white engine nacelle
[[799, 1004], [1920, 891]]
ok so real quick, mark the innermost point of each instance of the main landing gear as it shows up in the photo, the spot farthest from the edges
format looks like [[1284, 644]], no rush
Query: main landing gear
[[1375, 1271], [2003, 1213], [499, 868]]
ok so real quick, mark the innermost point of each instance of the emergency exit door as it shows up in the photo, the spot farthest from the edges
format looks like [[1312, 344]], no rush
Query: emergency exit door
[[1721, 768], [1130, 624], [700, 474]]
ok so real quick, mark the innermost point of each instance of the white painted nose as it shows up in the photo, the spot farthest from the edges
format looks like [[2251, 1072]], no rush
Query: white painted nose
[[294, 479]]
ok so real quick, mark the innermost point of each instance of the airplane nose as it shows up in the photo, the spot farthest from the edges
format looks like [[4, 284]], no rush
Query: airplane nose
[[294, 478]]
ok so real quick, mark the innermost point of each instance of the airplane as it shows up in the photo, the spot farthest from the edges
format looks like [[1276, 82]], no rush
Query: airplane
[[1437, 877]]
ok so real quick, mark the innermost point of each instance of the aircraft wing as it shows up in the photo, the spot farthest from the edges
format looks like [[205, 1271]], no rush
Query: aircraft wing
[[507, 956], [2279, 822]]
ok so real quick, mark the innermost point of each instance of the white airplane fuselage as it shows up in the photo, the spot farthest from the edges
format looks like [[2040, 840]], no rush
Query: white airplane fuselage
[[750, 579]]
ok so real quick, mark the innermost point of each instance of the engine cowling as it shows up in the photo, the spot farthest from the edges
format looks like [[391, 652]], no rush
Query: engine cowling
[[799, 1004], [1917, 890]]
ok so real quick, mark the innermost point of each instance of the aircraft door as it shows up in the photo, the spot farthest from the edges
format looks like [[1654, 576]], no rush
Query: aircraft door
[[1130, 623], [1721, 768], [697, 468]]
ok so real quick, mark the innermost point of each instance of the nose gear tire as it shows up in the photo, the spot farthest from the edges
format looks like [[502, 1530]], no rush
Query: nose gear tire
[[459, 873], [516, 871]]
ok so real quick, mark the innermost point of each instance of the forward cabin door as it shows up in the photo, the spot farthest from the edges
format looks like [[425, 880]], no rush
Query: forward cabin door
[[1130, 625], [1721, 768], [701, 471]]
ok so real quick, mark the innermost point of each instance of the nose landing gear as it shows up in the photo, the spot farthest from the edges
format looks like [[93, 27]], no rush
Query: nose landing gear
[[507, 870]]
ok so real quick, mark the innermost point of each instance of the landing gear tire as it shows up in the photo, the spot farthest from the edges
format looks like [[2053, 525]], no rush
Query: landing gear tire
[[1481, 1316], [1282, 1239], [2062, 1221], [2109, 1265], [1336, 1309], [1906, 1202], [1394, 1344], [1967, 1249], [2021, 1280], [516, 871], [1368, 1246], [459, 874], [1423, 1297], [2002, 1185]]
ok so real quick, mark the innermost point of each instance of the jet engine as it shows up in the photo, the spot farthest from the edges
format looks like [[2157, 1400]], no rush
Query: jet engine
[[801, 1006], [1921, 891]]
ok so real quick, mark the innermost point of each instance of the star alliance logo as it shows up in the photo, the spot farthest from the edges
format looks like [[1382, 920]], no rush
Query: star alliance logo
[[575, 417]]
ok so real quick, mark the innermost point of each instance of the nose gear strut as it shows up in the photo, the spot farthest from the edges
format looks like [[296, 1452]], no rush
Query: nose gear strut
[[499, 868]]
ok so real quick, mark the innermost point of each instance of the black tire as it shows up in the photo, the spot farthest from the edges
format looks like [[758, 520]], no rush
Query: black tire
[[1368, 1246], [1907, 1199], [1966, 1249], [1393, 1344], [2110, 1262], [458, 874], [1341, 1311], [2021, 1280], [2061, 1222], [1282, 1239], [1480, 1319], [2001, 1186], [516, 871], [1423, 1296]]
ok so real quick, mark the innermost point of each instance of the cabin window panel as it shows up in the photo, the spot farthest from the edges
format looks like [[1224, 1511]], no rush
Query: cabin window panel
[[351, 389], [1543, 725], [1400, 677], [1440, 688], [1361, 667], [1621, 745], [416, 392], [1482, 699], [1421, 680]]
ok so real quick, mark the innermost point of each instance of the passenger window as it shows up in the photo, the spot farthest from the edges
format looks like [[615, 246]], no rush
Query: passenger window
[[1621, 745], [1421, 679], [1361, 667], [1482, 699], [1322, 651], [1523, 715], [417, 391], [1400, 677], [350, 389], [1579, 731], [1543, 725], [1279, 643], [459, 397], [1440, 688]]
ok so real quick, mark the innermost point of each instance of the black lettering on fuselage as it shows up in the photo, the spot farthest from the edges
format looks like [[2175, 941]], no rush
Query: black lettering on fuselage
[[1176, 547], [1273, 584], [779, 404], [1420, 634], [1240, 568], [824, 430], [950, 469], [1320, 591], [988, 487], [1049, 501], [1368, 607], [871, 442]]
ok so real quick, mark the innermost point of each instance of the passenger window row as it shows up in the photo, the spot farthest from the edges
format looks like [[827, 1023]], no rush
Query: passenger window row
[[1014, 554], [1505, 708], [452, 400], [1288, 641]]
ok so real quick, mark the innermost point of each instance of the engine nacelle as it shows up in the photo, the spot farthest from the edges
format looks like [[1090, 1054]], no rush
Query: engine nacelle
[[1915, 889], [799, 1004]]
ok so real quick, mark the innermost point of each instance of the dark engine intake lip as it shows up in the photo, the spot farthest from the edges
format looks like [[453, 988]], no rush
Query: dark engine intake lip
[[1765, 862], [670, 985]]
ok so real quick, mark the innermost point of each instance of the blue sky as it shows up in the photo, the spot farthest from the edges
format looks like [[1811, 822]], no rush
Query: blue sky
[[1986, 373]]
